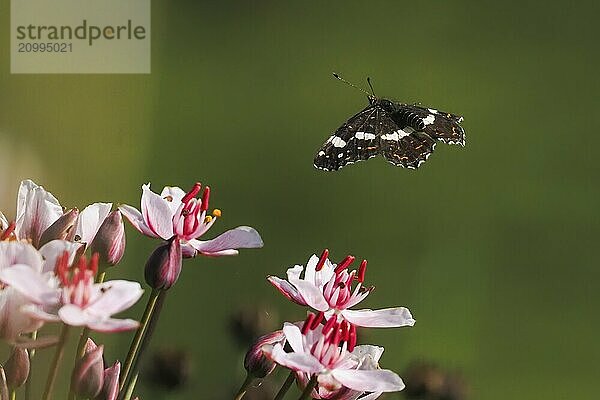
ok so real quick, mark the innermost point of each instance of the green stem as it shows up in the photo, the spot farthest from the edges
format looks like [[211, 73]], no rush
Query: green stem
[[309, 388], [129, 391], [13, 395], [83, 337], [150, 325], [286, 386], [137, 339], [244, 387], [58, 355], [33, 336]]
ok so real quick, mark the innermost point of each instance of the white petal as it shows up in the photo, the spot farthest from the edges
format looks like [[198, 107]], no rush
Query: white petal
[[116, 296], [72, 315], [242, 237], [113, 325], [384, 318], [293, 335], [56, 248], [311, 294], [287, 289], [136, 219], [19, 253], [381, 380], [368, 355], [13, 321], [309, 273], [31, 283], [37, 209], [297, 361], [89, 221], [3, 221], [157, 213], [175, 194]]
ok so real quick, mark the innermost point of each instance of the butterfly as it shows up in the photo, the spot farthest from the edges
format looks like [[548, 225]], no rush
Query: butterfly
[[404, 134]]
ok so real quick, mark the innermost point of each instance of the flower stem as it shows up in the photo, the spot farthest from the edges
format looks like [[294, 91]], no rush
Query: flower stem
[[58, 355], [309, 388], [147, 335], [129, 391], [33, 336], [286, 386], [240, 394], [137, 339], [13, 395]]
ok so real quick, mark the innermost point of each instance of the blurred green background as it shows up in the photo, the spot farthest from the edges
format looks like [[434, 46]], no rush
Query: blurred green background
[[491, 246]]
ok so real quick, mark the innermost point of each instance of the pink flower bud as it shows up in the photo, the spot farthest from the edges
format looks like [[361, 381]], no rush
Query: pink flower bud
[[109, 242], [256, 363], [17, 368], [164, 265], [60, 228], [110, 390], [88, 375]]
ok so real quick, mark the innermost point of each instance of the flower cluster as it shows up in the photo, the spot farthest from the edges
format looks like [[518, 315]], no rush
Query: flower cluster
[[323, 352], [53, 268]]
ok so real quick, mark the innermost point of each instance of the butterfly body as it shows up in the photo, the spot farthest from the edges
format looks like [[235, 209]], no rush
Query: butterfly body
[[404, 134]]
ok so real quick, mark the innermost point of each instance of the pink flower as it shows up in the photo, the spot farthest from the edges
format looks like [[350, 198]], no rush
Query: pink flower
[[176, 213], [323, 352], [327, 288], [72, 296]]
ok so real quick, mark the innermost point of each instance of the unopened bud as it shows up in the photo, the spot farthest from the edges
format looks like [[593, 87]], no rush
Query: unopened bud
[[88, 375], [110, 390], [255, 362], [17, 368], [60, 228], [109, 242], [164, 265]]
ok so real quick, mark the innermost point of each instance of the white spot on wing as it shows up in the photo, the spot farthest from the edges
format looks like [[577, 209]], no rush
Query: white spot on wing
[[338, 142], [429, 119], [364, 135], [321, 153], [391, 136], [432, 110]]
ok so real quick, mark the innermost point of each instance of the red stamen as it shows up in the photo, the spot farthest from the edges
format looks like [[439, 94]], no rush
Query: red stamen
[[344, 264], [61, 268], [361, 271], [80, 273], [93, 265], [317, 320], [329, 325], [192, 193], [337, 338], [344, 329], [308, 323], [322, 259], [352, 338], [205, 198], [8, 231]]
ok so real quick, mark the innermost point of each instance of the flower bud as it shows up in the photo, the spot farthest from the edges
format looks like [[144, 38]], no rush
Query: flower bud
[[110, 390], [60, 228], [255, 362], [17, 368], [88, 375], [109, 242], [164, 265]]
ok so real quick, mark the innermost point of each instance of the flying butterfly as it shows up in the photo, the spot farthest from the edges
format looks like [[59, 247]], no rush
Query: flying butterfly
[[404, 134]]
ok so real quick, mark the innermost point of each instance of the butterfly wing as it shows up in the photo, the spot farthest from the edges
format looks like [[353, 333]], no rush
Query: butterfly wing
[[437, 124], [354, 141], [403, 146]]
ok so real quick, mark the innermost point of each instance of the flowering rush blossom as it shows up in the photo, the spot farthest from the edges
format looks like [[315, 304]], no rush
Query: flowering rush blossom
[[327, 288], [322, 351], [72, 296], [177, 213], [38, 209]]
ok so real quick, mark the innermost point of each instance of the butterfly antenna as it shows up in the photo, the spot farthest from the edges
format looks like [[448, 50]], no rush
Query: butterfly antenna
[[351, 84], [371, 86]]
